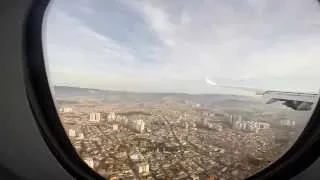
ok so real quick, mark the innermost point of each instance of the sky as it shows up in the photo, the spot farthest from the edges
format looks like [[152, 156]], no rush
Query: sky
[[176, 46]]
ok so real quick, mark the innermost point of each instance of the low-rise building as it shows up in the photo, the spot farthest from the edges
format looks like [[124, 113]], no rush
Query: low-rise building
[[72, 133], [89, 161], [115, 127]]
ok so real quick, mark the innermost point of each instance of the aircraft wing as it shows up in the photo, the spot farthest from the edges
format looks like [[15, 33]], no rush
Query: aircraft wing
[[296, 101]]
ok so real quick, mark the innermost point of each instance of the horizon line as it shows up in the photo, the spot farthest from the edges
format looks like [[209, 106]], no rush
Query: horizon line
[[152, 92]]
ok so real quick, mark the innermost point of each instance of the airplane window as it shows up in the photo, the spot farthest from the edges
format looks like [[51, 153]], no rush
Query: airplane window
[[168, 89]]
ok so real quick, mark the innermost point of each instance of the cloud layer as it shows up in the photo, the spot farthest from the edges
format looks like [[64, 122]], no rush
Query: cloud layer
[[175, 45]]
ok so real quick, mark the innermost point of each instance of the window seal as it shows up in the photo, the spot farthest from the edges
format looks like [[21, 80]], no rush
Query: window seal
[[40, 97]]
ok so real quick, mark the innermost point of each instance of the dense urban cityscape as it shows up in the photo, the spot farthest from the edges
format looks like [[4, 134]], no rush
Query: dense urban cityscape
[[166, 137]]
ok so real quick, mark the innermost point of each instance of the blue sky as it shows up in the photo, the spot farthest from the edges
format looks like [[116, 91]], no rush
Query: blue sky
[[173, 46]]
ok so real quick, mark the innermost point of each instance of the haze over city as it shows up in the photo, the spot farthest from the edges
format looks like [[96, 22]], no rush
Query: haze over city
[[160, 136]]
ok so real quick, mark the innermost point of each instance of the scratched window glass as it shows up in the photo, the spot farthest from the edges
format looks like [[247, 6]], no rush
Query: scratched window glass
[[184, 89]]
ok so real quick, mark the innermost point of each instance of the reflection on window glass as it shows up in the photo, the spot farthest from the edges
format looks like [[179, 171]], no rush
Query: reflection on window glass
[[183, 89]]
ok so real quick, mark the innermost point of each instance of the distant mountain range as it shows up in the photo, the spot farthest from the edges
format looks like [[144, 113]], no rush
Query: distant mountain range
[[214, 101], [221, 100], [76, 92]]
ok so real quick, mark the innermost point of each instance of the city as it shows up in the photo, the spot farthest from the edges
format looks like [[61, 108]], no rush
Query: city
[[174, 90], [166, 137]]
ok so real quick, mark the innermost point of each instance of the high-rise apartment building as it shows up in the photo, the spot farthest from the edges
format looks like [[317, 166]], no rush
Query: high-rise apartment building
[[95, 117]]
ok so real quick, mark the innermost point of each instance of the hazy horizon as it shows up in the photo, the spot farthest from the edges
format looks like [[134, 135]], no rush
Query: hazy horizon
[[250, 94], [173, 46]]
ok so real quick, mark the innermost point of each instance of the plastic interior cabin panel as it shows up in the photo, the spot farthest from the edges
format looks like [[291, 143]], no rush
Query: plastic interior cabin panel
[[23, 150]]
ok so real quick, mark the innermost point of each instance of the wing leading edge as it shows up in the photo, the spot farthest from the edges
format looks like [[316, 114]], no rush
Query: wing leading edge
[[293, 100]]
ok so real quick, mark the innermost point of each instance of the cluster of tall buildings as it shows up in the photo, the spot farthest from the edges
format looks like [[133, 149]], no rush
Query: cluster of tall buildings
[[252, 126], [75, 133], [287, 123], [95, 117], [211, 125], [138, 125], [111, 116], [115, 127], [139, 163], [72, 133], [65, 109]]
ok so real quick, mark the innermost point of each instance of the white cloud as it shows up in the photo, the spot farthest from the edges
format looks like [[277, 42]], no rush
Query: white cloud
[[76, 50], [158, 19], [209, 82], [257, 40], [296, 58]]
